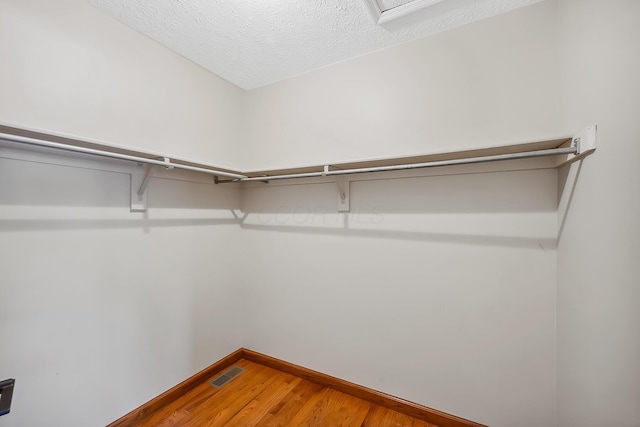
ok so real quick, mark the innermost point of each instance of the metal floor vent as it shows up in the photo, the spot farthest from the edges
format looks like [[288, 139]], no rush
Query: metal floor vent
[[226, 377]]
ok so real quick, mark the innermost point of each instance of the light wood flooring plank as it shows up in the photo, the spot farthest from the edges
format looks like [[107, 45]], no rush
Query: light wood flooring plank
[[282, 414], [262, 404], [265, 397]]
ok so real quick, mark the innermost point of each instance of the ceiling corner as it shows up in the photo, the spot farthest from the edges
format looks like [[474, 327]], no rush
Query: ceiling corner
[[383, 11]]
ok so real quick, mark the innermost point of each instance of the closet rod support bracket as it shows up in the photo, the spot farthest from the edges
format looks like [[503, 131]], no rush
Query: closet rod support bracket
[[343, 185], [586, 140], [139, 184], [148, 174], [584, 143]]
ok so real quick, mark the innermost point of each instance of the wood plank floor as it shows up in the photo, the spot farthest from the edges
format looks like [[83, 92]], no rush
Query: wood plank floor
[[262, 396]]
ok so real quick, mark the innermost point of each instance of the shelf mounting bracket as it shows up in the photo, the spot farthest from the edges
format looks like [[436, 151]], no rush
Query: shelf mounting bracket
[[586, 140], [139, 184], [585, 144], [344, 186]]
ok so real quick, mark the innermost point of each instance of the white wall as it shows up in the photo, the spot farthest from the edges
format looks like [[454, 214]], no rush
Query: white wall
[[102, 309], [492, 82], [440, 290], [598, 269], [69, 68]]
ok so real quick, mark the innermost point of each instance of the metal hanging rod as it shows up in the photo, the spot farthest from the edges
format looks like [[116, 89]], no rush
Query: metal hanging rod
[[574, 149], [166, 162]]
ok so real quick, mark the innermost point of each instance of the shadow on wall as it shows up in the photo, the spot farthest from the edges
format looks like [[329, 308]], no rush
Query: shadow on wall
[[40, 196], [568, 176], [510, 209], [468, 239], [80, 224]]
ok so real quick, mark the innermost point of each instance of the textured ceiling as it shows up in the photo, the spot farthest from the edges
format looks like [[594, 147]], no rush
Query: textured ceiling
[[252, 43]]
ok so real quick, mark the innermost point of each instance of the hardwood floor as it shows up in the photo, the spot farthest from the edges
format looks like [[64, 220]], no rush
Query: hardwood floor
[[262, 396]]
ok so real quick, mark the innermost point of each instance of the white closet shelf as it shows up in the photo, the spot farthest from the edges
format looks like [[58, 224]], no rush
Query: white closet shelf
[[51, 140], [563, 150], [569, 147]]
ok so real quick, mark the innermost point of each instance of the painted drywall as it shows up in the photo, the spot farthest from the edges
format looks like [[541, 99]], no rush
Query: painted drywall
[[102, 309], [450, 278], [440, 290], [489, 83], [599, 245], [75, 70]]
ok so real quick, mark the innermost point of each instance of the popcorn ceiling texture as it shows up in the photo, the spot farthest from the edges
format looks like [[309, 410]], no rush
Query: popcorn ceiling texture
[[252, 43]]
